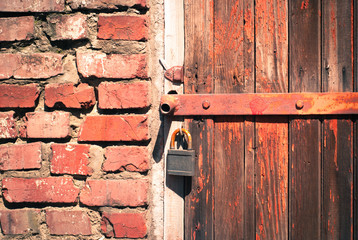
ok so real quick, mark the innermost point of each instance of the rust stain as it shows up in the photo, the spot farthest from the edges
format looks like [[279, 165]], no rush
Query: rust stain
[[258, 105]]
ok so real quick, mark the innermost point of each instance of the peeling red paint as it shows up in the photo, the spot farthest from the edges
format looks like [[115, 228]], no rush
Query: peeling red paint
[[305, 4], [333, 126]]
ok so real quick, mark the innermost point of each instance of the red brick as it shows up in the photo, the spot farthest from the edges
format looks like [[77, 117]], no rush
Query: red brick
[[115, 193], [30, 66], [122, 27], [67, 27], [62, 222], [32, 5], [123, 225], [114, 128], [22, 156], [16, 28], [19, 221], [108, 4], [100, 65], [18, 96], [70, 96], [40, 190], [7, 125], [123, 95], [70, 158], [47, 125], [134, 159]]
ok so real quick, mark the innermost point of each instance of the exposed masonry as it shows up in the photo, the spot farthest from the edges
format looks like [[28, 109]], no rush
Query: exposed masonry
[[78, 119]]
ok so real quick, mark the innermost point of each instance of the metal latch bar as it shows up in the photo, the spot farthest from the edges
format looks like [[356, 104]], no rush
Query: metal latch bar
[[332, 103]]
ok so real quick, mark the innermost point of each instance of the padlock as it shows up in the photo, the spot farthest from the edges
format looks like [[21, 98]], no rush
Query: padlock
[[181, 162]]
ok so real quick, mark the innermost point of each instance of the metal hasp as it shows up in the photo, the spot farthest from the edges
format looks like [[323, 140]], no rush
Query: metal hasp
[[175, 74], [181, 162], [260, 104]]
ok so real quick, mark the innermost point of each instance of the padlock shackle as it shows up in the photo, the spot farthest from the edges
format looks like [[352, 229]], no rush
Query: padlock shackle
[[186, 132]]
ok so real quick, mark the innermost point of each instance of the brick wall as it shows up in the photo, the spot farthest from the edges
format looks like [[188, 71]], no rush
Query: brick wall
[[76, 98]]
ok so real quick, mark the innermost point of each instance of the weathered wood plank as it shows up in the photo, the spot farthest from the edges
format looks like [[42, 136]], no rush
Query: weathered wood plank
[[271, 133], [229, 178], [355, 125], [250, 147], [272, 178], [249, 125], [305, 193], [198, 76], [337, 157], [337, 179], [199, 205], [233, 39], [337, 46], [305, 146], [229, 153], [355, 179]]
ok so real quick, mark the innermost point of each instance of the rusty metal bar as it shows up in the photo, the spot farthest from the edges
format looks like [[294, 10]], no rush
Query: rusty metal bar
[[260, 104]]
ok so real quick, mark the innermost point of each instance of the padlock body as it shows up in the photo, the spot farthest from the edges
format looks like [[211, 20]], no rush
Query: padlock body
[[181, 162]]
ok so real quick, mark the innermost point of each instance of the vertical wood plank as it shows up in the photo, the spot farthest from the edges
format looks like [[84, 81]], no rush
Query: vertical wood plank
[[305, 179], [199, 205], [174, 56], [337, 158], [229, 178], [337, 179], [198, 64], [249, 125], [305, 145], [271, 133], [355, 123], [272, 178], [355, 171], [337, 46], [233, 56], [249, 211], [233, 46]]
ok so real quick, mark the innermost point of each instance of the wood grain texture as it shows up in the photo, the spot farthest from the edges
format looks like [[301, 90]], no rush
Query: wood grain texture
[[355, 130], [271, 46], [272, 178], [271, 133], [337, 157], [199, 206], [198, 68], [305, 193], [250, 148], [233, 39], [233, 56], [229, 178], [305, 146], [355, 179], [337, 179]]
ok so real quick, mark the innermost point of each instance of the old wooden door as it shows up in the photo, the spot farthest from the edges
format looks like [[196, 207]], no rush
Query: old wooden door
[[266, 177]]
